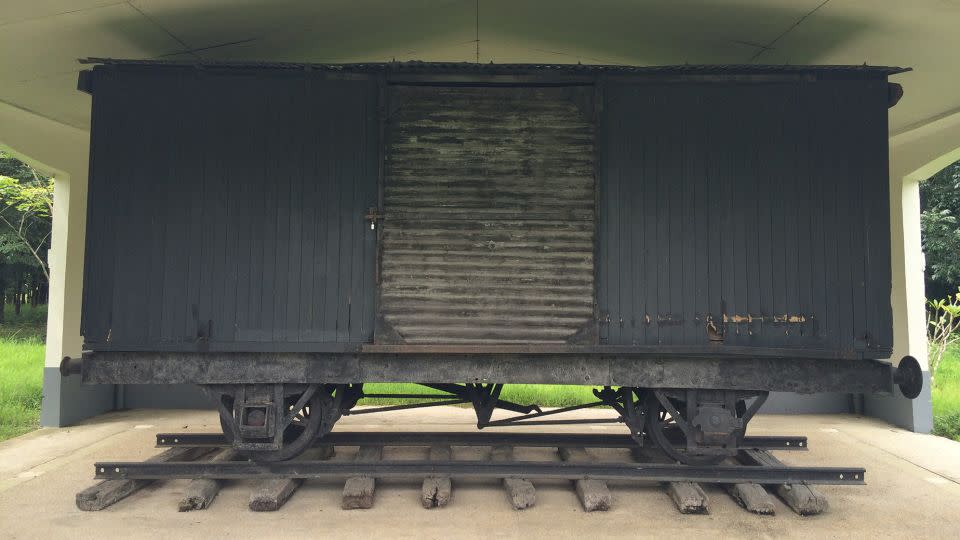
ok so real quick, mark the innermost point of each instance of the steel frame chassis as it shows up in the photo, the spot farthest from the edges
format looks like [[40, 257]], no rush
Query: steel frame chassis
[[805, 375]]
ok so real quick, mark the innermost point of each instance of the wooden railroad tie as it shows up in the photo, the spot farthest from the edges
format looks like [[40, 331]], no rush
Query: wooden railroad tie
[[688, 497], [753, 497], [271, 494], [593, 494], [358, 491], [520, 492], [437, 491], [803, 499], [201, 492], [108, 492]]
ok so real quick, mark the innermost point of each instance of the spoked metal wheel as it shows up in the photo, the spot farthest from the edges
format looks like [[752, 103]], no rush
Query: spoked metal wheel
[[301, 421], [703, 429], [665, 432]]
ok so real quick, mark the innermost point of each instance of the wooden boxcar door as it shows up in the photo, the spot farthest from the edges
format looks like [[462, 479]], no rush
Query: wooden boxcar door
[[489, 210]]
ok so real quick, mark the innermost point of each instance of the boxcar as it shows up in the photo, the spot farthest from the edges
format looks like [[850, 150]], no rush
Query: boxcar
[[684, 238]]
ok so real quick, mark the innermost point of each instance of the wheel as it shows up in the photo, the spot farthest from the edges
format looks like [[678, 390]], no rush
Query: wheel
[[671, 437], [298, 435]]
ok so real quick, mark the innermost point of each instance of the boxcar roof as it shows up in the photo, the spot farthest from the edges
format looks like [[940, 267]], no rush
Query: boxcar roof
[[419, 67]]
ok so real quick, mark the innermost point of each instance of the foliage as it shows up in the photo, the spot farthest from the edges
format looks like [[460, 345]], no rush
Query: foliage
[[26, 209], [30, 324], [21, 369], [947, 425], [940, 203], [21, 385], [14, 168], [12, 249], [943, 326], [946, 396]]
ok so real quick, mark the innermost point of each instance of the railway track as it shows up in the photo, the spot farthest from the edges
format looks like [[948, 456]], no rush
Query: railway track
[[207, 460]]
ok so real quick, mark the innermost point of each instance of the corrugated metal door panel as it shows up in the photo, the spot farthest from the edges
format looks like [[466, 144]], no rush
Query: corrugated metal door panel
[[761, 214], [489, 215], [231, 210]]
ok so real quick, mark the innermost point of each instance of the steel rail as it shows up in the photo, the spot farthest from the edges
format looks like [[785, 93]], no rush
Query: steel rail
[[474, 438], [654, 472]]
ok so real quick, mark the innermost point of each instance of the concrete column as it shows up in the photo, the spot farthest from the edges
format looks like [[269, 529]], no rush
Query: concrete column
[[66, 267], [907, 299], [62, 152], [66, 401], [916, 153]]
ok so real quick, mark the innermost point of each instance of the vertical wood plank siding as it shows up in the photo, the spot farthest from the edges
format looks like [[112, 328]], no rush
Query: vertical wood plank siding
[[489, 215], [756, 209], [227, 210]]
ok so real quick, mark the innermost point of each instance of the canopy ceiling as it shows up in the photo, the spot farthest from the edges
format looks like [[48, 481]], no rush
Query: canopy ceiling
[[41, 40]]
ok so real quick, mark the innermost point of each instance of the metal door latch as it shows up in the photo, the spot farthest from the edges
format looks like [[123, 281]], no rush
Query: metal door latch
[[373, 216]]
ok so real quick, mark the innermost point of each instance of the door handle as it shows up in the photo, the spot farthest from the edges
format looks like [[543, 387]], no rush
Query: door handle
[[373, 216]]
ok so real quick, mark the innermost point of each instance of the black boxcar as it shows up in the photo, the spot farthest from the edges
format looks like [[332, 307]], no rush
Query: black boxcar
[[686, 237]]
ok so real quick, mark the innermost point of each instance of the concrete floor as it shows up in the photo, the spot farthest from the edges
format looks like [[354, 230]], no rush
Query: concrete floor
[[913, 489]]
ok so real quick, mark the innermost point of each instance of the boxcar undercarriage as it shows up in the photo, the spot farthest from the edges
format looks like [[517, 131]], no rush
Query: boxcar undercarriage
[[274, 406]]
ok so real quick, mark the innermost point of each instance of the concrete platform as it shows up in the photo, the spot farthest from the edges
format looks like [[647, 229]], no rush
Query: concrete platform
[[913, 489]]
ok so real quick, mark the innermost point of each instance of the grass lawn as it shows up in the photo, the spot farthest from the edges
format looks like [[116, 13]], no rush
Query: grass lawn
[[524, 394], [946, 396], [21, 370]]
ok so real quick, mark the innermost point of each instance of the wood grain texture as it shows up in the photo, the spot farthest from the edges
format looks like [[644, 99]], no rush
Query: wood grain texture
[[489, 204]]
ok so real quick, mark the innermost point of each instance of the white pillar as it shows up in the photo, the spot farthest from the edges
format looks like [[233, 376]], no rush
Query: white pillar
[[915, 155], [62, 152], [66, 401], [908, 297], [66, 267], [907, 300]]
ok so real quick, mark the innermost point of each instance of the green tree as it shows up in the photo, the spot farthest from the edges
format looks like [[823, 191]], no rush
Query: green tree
[[940, 205], [26, 210], [26, 203]]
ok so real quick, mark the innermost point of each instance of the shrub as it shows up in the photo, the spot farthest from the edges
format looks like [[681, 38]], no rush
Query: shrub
[[947, 425], [943, 325]]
